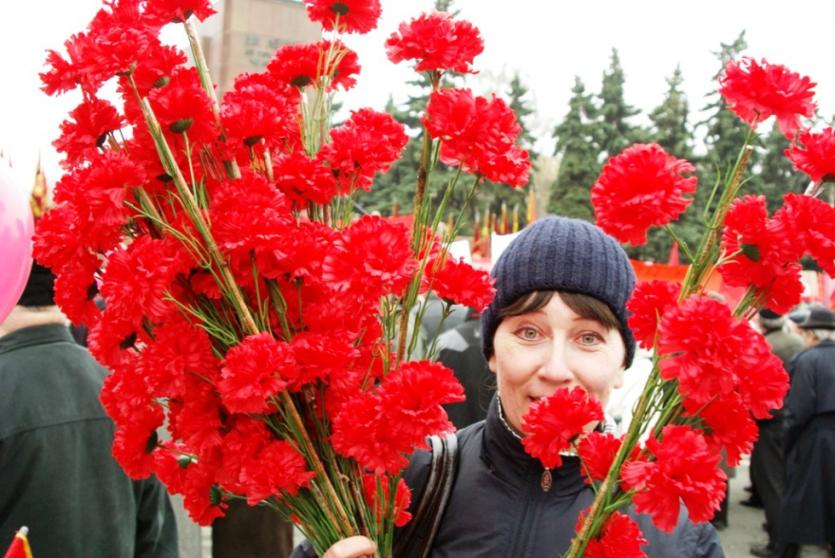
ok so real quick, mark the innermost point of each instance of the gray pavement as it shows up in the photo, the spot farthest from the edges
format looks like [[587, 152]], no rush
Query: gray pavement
[[744, 523]]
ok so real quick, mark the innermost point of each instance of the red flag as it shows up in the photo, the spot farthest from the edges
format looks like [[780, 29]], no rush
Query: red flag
[[20, 545]]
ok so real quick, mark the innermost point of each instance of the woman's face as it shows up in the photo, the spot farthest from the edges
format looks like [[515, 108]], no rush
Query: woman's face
[[536, 353]]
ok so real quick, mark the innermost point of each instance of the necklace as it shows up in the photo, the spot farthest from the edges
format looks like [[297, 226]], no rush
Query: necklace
[[503, 421], [546, 481]]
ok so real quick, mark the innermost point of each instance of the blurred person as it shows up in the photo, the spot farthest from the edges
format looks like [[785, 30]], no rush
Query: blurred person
[[459, 349], [57, 474], [807, 512], [767, 459]]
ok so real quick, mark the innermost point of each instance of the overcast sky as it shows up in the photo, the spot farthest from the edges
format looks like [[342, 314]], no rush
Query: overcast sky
[[548, 43]]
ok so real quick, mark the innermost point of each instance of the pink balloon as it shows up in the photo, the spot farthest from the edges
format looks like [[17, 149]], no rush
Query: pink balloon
[[16, 229]]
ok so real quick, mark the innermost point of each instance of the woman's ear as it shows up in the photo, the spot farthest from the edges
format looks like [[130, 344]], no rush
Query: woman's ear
[[491, 363]]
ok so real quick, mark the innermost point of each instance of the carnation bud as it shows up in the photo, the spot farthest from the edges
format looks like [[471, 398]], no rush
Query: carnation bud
[[751, 251], [92, 290], [300, 81], [161, 82], [128, 341], [339, 8], [152, 442], [180, 126], [216, 495]]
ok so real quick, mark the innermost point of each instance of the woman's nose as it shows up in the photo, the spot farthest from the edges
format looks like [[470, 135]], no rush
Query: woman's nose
[[555, 367]]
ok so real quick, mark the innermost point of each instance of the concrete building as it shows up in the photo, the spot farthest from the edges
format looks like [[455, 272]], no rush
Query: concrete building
[[244, 34]]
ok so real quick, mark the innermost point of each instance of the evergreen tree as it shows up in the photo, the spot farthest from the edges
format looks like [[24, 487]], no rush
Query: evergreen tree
[[669, 120], [519, 104], [777, 176], [578, 150], [615, 132]]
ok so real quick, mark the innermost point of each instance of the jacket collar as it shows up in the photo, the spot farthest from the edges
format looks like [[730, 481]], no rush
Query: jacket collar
[[504, 454], [35, 335]]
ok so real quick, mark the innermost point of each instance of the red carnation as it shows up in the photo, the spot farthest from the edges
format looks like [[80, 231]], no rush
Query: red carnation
[[763, 382], [712, 354], [597, 452], [729, 424], [93, 201], [318, 356], [304, 179], [135, 440], [703, 341], [154, 70], [248, 214], [649, 301], [437, 42], [276, 469], [814, 154], [639, 188], [347, 16], [183, 106], [757, 91], [375, 486], [253, 113], [684, 469], [372, 256], [82, 137], [160, 12], [620, 537], [478, 134], [812, 222], [461, 283], [553, 423], [367, 143], [379, 428], [178, 350], [138, 278], [303, 65], [196, 419], [253, 372], [765, 254], [76, 289]]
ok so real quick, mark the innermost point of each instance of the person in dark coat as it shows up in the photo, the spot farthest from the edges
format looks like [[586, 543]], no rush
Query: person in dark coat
[[558, 320], [57, 474], [807, 514], [459, 349], [767, 459]]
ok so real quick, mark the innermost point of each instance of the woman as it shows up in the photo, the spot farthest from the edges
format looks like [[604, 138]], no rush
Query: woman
[[558, 321]]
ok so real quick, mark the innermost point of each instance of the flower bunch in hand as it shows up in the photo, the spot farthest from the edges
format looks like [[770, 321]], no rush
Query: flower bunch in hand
[[713, 375], [210, 247]]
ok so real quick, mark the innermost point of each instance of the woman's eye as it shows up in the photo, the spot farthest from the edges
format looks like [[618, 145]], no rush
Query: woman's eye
[[590, 338], [528, 333]]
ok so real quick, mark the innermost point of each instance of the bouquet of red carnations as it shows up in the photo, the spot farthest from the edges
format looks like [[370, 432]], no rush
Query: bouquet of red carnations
[[242, 306], [712, 374]]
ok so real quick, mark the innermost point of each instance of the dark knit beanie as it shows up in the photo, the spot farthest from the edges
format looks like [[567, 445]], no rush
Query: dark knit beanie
[[562, 254], [40, 288]]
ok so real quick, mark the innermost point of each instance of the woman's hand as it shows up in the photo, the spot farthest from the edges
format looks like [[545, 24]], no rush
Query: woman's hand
[[352, 547]]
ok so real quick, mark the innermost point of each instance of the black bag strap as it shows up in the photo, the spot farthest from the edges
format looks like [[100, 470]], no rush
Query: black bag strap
[[420, 533]]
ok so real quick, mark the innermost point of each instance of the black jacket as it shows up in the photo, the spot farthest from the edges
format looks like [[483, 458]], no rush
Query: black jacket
[[498, 508], [57, 475], [808, 508]]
